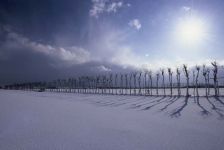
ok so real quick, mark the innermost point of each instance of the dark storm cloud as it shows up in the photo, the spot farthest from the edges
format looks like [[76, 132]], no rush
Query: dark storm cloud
[[44, 40], [48, 39], [24, 65], [24, 60]]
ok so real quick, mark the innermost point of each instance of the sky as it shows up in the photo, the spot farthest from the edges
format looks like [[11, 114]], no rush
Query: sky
[[49, 39]]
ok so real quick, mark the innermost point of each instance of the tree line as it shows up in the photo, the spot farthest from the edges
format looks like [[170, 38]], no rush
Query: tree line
[[166, 82]]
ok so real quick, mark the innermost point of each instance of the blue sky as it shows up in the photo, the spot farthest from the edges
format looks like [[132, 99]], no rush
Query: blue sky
[[59, 36]]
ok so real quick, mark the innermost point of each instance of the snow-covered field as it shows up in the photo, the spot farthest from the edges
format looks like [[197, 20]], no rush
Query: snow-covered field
[[68, 121]]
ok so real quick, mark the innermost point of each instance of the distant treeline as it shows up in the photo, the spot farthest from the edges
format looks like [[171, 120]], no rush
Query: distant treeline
[[162, 82]]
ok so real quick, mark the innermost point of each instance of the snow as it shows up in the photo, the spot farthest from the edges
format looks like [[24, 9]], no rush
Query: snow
[[65, 121]]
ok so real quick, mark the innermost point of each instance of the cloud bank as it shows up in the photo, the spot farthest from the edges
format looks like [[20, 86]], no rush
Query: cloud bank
[[135, 23], [70, 55]]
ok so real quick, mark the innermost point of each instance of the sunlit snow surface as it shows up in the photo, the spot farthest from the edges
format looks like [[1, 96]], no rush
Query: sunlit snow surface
[[66, 121]]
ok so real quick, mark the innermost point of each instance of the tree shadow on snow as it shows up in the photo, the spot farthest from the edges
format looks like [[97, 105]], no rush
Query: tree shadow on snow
[[159, 101], [172, 101], [219, 100], [204, 112], [138, 104], [119, 102], [216, 109], [162, 103], [177, 112]]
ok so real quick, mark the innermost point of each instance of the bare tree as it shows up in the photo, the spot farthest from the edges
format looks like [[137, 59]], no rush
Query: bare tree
[[198, 70], [90, 84], [147, 82], [204, 72], [121, 84], [97, 84], [145, 79], [163, 80], [74, 85], [178, 81], [70, 84], [194, 81], [126, 83], [150, 78], [107, 84], [208, 80], [134, 75], [215, 72], [111, 83], [186, 72], [157, 84], [87, 83], [58, 85], [116, 83], [80, 85], [170, 80], [130, 77], [139, 83], [104, 84]]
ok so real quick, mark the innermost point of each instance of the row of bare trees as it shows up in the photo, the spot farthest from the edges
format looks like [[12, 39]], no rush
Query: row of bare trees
[[137, 83]]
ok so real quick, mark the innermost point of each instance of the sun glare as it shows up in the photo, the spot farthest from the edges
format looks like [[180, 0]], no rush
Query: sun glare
[[191, 30]]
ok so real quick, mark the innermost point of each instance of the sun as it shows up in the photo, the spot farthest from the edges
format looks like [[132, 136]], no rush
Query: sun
[[191, 30]]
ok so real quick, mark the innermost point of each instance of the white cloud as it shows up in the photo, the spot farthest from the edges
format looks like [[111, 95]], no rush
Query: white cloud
[[70, 55], [97, 7], [135, 23], [74, 54], [114, 6], [101, 6], [186, 8], [126, 57], [102, 68], [111, 47]]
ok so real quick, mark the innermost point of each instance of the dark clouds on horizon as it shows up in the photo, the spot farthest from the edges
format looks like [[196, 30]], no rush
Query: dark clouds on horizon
[[50, 39], [47, 39], [22, 60]]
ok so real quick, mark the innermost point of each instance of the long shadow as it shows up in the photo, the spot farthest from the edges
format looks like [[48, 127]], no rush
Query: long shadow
[[217, 110], [139, 104], [177, 112], [119, 102], [158, 100], [162, 103], [142, 102], [106, 100], [204, 111], [122, 101], [162, 100], [170, 103], [128, 100], [109, 100], [85, 97], [219, 100]]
